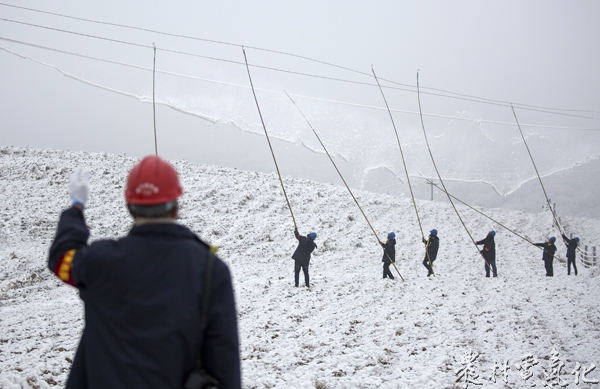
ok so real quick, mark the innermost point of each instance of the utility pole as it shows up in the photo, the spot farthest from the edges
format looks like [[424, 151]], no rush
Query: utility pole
[[430, 182]]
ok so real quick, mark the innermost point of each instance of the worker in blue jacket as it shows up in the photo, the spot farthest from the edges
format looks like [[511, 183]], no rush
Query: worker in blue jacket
[[571, 252], [432, 245], [144, 293], [548, 256], [301, 257], [389, 254]]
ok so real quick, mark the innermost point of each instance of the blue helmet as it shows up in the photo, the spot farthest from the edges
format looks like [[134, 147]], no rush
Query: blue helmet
[[391, 235], [553, 239], [492, 233], [433, 232], [312, 235], [576, 239]]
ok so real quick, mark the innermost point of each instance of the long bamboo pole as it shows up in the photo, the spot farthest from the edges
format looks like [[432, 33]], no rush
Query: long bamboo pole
[[268, 139], [154, 99], [344, 181], [440, 177], [406, 171]]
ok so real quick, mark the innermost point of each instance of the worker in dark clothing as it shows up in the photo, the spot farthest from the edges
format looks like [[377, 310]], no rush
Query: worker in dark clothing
[[144, 293], [431, 248], [306, 245], [489, 253], [571, 248], [548, 256], [389, 254]]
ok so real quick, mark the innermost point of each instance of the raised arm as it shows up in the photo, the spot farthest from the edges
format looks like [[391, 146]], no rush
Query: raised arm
[[72, 233]]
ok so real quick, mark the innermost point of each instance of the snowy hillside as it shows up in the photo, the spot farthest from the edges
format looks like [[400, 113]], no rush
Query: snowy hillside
[[352, 329]]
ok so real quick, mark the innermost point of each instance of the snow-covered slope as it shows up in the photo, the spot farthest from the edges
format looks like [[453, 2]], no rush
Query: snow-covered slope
[[352, 329]]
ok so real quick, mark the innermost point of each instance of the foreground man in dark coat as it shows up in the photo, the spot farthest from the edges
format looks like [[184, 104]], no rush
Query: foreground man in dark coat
[[489, 253], [548, 256], [143, 293], [306, 245], [389, 255], [571, 247]]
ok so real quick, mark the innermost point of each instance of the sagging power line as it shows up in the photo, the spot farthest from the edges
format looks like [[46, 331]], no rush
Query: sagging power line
[[447, 94], [277, 52], [93, 58]]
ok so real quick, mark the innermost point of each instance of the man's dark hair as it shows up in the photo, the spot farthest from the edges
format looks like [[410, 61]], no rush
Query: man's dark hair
[[153, 211]]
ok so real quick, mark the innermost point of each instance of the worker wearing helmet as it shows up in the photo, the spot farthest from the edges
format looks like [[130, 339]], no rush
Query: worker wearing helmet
[[489, 253], [432, 245], [301, 257], [144, 293], [389, 254], [548, 256], [571, 247]]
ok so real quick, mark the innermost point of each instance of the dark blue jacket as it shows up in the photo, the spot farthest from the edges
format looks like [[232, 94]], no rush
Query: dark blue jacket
[[305, 247], [143, 297], [389, 249], [432, 244], [571, 246], [489, 248], [549, 250]]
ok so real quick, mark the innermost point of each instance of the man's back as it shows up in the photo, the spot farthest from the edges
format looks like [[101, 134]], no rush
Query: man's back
[[434, 245], [143, 296], [305, 247]]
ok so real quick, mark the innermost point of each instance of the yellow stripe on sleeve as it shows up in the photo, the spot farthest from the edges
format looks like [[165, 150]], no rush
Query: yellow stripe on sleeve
[[64, 271]]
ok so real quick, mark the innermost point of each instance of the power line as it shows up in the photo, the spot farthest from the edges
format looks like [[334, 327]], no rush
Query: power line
[[107, 61], [271, 91], [279, 70], [460, 96], [76, 33]]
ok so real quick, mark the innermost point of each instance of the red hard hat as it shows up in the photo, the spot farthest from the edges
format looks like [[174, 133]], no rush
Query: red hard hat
[[152, 181]]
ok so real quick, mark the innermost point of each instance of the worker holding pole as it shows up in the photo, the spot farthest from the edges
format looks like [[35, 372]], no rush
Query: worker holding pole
[[389, 254]]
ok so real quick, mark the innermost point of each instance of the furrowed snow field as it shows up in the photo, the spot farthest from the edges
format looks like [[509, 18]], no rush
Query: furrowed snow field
[[351, 329]]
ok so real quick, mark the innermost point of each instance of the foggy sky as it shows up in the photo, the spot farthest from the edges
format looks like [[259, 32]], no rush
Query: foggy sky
[[542, 53]]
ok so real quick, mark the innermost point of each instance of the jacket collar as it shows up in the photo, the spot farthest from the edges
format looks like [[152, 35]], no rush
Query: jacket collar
[[140, 221], [167, 229]]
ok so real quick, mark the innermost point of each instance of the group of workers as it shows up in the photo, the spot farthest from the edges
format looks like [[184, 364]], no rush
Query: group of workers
[[389, 253], [306, 245]]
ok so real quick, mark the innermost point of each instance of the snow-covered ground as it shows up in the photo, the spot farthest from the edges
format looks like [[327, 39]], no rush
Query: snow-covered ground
[[351, 329]]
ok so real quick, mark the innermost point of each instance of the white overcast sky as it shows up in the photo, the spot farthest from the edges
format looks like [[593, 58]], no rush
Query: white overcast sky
[[539, 53]]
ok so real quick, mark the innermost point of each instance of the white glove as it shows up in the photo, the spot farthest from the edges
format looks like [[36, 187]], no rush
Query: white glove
[[79, 186]]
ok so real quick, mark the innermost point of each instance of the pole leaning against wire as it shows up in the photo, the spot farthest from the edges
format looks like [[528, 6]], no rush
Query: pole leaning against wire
[[490, 218], [268, 140], [537, 172], [344, 181], [153, 98], [405, 170], [440, 177]]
